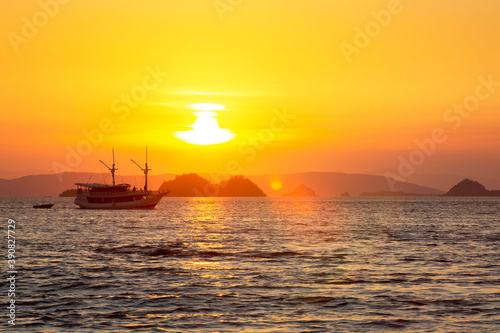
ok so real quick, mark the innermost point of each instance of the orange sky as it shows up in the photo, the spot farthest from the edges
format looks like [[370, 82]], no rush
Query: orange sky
[[355, 103]]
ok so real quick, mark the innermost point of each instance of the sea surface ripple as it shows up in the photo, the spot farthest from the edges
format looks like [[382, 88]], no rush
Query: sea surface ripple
[[258, 265]]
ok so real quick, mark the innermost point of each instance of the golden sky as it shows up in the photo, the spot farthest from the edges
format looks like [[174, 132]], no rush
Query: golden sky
[[350, 86]]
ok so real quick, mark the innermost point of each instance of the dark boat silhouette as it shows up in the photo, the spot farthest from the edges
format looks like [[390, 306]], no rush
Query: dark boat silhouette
[[46, 206], [117, 196]]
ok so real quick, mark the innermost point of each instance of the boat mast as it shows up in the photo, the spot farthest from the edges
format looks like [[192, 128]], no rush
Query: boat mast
[[145, 170], [113, 169]]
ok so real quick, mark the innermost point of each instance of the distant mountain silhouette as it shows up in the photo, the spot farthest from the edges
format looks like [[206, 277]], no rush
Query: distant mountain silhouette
[[345, 194], [391, 194], [193, 185], [301, 191], [442, 181], [22, 173], [470, 188], [325, 184], [333, 184], [55, 184]]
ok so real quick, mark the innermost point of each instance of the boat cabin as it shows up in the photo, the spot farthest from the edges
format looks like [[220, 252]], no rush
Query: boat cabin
[[102, 188]]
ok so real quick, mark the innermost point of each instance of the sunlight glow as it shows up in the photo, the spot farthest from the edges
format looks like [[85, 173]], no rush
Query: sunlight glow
[[276, 184], [206, 130], [207, 107]]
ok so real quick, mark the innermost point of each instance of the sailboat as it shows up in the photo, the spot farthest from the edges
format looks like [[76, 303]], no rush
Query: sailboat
[[117, 196]]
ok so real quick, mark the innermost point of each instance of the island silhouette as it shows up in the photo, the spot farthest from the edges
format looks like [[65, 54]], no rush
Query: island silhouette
[[301, 191], [240, 186], [193, 185], [471, 188], [68, 194]]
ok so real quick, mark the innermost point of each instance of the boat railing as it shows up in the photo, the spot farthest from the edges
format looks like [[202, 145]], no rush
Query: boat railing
[[113, 194]]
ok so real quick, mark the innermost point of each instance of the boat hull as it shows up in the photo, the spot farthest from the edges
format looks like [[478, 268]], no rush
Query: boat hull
[[146, 203], [44, 206]]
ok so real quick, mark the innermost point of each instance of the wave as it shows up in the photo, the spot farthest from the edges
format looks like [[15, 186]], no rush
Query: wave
[[181, 250], [167, 250]]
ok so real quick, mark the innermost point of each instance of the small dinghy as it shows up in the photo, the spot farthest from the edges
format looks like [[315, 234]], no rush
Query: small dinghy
[[46, 206]]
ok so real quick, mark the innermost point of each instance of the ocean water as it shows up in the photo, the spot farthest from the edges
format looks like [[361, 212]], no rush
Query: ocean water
[[257, 265]]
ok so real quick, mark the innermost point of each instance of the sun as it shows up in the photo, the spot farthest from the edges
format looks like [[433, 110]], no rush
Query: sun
[[276, 184], [206, 130]]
